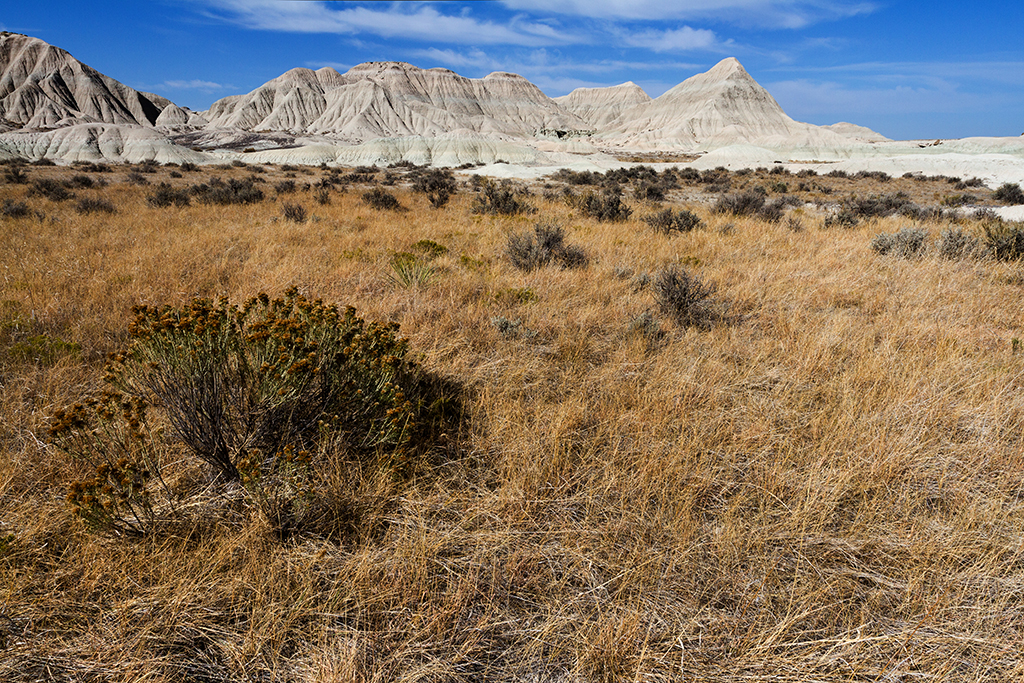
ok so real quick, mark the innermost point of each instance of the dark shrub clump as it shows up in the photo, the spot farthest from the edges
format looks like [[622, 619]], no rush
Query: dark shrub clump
[[1005, 241], [54, 190], [668, 221], [546, 244], [15, 176], [285, 187], [380, 198], [500, 199], [684, 298], [293, 212], [94, 205], [749, 204], [1009, 193], [216, 191], [165, 196], [438, 184], [13, 209], [607, 206]]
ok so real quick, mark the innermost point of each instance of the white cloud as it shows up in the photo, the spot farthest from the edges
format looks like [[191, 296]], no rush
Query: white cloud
[[936, 73], [474, 59], [774, 13], [193, 84], [423, 22], [672, 40]]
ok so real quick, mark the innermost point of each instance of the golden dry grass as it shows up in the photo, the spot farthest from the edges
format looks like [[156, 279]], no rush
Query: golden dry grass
[[828, 485]]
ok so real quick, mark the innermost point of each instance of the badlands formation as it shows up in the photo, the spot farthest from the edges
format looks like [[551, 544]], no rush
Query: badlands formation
[[53, 106]]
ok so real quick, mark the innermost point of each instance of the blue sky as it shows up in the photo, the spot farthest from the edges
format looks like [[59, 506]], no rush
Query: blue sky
[[910, 70]]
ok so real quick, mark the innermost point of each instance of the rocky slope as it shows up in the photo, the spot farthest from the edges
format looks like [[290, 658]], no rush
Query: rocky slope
[[42, 86], [392, 99], [600, 106]]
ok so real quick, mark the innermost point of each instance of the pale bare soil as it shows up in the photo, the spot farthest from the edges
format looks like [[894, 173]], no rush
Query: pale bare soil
[[826, 485]]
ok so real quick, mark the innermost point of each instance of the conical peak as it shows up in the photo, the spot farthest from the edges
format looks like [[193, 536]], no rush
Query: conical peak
[[728, 68]]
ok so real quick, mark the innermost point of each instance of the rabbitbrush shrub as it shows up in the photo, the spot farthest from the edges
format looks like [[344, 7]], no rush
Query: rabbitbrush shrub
[[907, 243], [250, 391]]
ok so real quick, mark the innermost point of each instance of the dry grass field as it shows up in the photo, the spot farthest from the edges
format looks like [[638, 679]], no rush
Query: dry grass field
[[824, 481]]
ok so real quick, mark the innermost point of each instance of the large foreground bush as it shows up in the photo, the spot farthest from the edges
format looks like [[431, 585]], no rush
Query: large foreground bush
[[250, 391]]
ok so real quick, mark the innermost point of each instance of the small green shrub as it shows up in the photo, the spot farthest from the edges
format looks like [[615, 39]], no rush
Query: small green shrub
[[42, 349], [430, 248], [955, 200], [907, 243], [684, 298], [955, 244], [409, 270], [646, 325], [515, 296]]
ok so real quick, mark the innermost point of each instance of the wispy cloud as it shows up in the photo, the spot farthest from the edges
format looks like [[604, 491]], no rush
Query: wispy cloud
[[683, 39], [835, 100], [764, 13], [473, 59], [194, 84], [1008, 73], [422, 22]]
